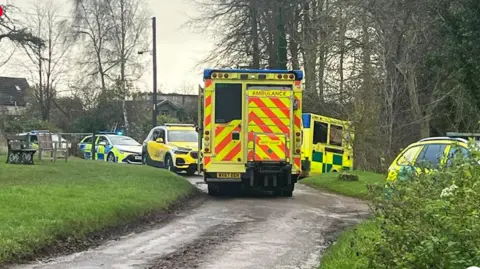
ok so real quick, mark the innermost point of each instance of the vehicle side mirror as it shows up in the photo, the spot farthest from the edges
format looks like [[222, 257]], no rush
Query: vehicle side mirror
[[159, 140]]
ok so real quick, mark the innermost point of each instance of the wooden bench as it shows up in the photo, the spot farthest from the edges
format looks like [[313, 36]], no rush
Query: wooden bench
[[46, 144], [20, 150]]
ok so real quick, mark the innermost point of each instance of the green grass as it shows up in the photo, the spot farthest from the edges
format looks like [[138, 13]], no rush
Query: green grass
[[46, 201], [348, 251], [330, 182]]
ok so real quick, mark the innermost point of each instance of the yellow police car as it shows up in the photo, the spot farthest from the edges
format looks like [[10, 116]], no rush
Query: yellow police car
[[432, 152], [112, 148], [173, 147]]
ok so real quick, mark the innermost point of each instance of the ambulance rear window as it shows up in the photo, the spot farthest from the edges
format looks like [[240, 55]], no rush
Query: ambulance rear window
[[228, 102]]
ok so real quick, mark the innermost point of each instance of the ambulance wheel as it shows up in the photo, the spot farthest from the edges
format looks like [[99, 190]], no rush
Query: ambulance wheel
[[111, 158], [288, 191], [278, 192], [214, 189], [169, 164]]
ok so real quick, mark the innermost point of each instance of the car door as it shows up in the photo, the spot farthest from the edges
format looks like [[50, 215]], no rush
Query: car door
[[154, 148], [161, 147], [404, 164], [100, 145], [431, 157], [455, 152], [85, 147]]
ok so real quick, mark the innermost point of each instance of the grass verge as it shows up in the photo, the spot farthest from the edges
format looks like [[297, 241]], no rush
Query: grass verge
[[348, 250], [357, 189], [51, 202]]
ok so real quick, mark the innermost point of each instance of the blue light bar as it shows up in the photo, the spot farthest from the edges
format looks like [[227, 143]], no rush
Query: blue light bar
[[105, 132], [306, 120], [207, 73]]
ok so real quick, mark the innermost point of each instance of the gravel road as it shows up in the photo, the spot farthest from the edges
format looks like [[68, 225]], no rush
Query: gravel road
[[239, 232]]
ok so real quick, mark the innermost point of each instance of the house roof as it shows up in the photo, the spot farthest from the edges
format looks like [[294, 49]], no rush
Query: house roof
[[167, 102], [13, 91]]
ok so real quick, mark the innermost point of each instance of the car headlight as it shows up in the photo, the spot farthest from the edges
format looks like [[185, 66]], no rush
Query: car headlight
[[127, 152], [180, 151]]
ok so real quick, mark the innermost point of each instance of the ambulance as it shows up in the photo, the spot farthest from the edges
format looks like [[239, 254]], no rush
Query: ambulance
[[250, 129], [327, 145]]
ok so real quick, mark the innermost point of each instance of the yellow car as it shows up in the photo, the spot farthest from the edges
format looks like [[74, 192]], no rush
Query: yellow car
[[173, 147], [434, 152]]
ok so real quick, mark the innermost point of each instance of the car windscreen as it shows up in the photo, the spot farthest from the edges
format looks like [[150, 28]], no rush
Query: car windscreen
[[182, 136], [123, 140]]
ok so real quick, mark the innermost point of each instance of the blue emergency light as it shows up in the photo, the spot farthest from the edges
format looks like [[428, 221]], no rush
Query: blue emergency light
[[306, 120], [107, 132]]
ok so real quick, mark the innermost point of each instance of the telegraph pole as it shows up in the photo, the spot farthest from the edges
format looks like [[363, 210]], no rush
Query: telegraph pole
[[154, 53]]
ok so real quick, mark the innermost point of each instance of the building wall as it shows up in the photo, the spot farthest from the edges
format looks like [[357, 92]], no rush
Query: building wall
[[12, 110], [179, 100], [167, 110]]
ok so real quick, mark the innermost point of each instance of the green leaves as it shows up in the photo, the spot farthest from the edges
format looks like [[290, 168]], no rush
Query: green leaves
[[430, 220]]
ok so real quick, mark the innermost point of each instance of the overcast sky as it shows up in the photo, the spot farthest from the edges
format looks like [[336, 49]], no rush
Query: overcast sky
[[178, 50]]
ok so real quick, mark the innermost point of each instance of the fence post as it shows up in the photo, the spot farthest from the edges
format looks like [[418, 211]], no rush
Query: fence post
[[93, 146]]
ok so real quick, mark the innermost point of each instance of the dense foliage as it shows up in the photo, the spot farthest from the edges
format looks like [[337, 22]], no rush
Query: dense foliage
[[430, 220]]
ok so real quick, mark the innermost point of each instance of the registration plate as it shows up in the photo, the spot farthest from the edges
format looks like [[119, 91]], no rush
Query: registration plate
[[228, 175], [138, 157]]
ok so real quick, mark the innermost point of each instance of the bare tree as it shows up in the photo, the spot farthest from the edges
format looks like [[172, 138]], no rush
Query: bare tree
[[48, 61], [9, 29], [93, 26], [128, 35]]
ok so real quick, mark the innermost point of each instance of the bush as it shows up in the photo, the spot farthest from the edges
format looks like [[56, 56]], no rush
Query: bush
[[25, 124], [430, 220]]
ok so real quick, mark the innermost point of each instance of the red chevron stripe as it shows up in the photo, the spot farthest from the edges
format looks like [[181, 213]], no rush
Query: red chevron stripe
[[298, 122], [233, 153], [206, 161], [260, 104], [271, 115], [221, 146], [208, 82], [298, 162], [281, 105]]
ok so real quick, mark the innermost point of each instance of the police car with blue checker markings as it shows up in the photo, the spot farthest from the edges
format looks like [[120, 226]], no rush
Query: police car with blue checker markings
[[112, 148]]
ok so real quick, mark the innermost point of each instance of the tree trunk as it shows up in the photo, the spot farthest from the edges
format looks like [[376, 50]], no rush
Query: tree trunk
[[123, 66], [293, 29], [309, 51], [281, 47], [255, 37], [342, 30], [323, 48]]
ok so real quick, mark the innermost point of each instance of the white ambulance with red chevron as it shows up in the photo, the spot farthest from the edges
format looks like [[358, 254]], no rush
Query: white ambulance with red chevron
[[251, 129]]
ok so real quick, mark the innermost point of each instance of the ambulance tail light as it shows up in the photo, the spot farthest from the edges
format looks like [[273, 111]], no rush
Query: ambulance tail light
[[298, 142], [206, 142]]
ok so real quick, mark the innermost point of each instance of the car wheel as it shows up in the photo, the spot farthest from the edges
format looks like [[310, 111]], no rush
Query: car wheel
[[169, 164], [191, 172], [111, 158]]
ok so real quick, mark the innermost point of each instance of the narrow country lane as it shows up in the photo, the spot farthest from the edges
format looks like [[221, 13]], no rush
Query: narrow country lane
[[240, 232]]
